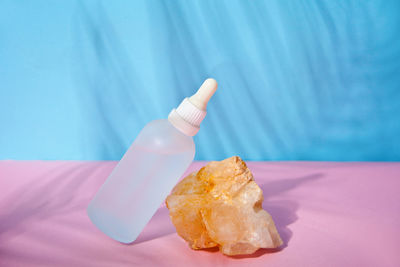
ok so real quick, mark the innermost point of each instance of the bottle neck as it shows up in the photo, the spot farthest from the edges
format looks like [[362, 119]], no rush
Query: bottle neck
[[187, 117]]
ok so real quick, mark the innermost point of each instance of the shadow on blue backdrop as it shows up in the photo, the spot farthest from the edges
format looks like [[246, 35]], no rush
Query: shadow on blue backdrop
[[299, 80]]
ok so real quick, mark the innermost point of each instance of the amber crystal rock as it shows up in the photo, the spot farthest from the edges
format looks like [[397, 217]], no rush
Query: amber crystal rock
[[220, 205]]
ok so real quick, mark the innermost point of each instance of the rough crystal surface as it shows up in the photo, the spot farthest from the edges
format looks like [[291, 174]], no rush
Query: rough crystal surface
[[220, 205]]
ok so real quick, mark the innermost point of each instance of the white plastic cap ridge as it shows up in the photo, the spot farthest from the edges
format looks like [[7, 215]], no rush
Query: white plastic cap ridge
[[189, 114]]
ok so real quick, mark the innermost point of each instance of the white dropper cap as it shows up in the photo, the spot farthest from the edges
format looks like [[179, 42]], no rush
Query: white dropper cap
[[189, 114]]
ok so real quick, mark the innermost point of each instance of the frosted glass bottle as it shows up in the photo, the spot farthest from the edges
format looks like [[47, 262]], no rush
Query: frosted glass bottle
[[150, 168]]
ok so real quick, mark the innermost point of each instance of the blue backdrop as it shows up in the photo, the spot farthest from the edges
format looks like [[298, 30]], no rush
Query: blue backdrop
[[299, 80]]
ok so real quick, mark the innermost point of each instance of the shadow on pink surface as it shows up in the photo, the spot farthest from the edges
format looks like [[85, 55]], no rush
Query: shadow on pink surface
[[42, 199], [160, 225], [50, 209], [283, 211]]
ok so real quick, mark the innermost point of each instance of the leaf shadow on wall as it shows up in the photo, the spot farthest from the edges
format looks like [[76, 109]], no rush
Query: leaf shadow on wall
[[105, 78]]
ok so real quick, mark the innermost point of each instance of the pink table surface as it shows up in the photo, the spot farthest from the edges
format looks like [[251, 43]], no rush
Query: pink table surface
[[328, 214]]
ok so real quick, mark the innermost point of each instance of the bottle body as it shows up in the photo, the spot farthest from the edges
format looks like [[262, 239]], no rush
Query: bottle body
[[141, 181]]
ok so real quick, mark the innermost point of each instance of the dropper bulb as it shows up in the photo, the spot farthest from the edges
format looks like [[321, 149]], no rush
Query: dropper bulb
[[203, 95]]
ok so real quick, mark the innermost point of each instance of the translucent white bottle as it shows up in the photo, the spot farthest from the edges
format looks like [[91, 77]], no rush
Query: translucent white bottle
[[149, 169]]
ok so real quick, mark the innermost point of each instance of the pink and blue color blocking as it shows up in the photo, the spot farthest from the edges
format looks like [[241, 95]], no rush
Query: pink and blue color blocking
[[304, 80]]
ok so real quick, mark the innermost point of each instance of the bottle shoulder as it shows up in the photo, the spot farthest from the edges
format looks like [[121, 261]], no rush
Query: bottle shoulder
[[161, 134]]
